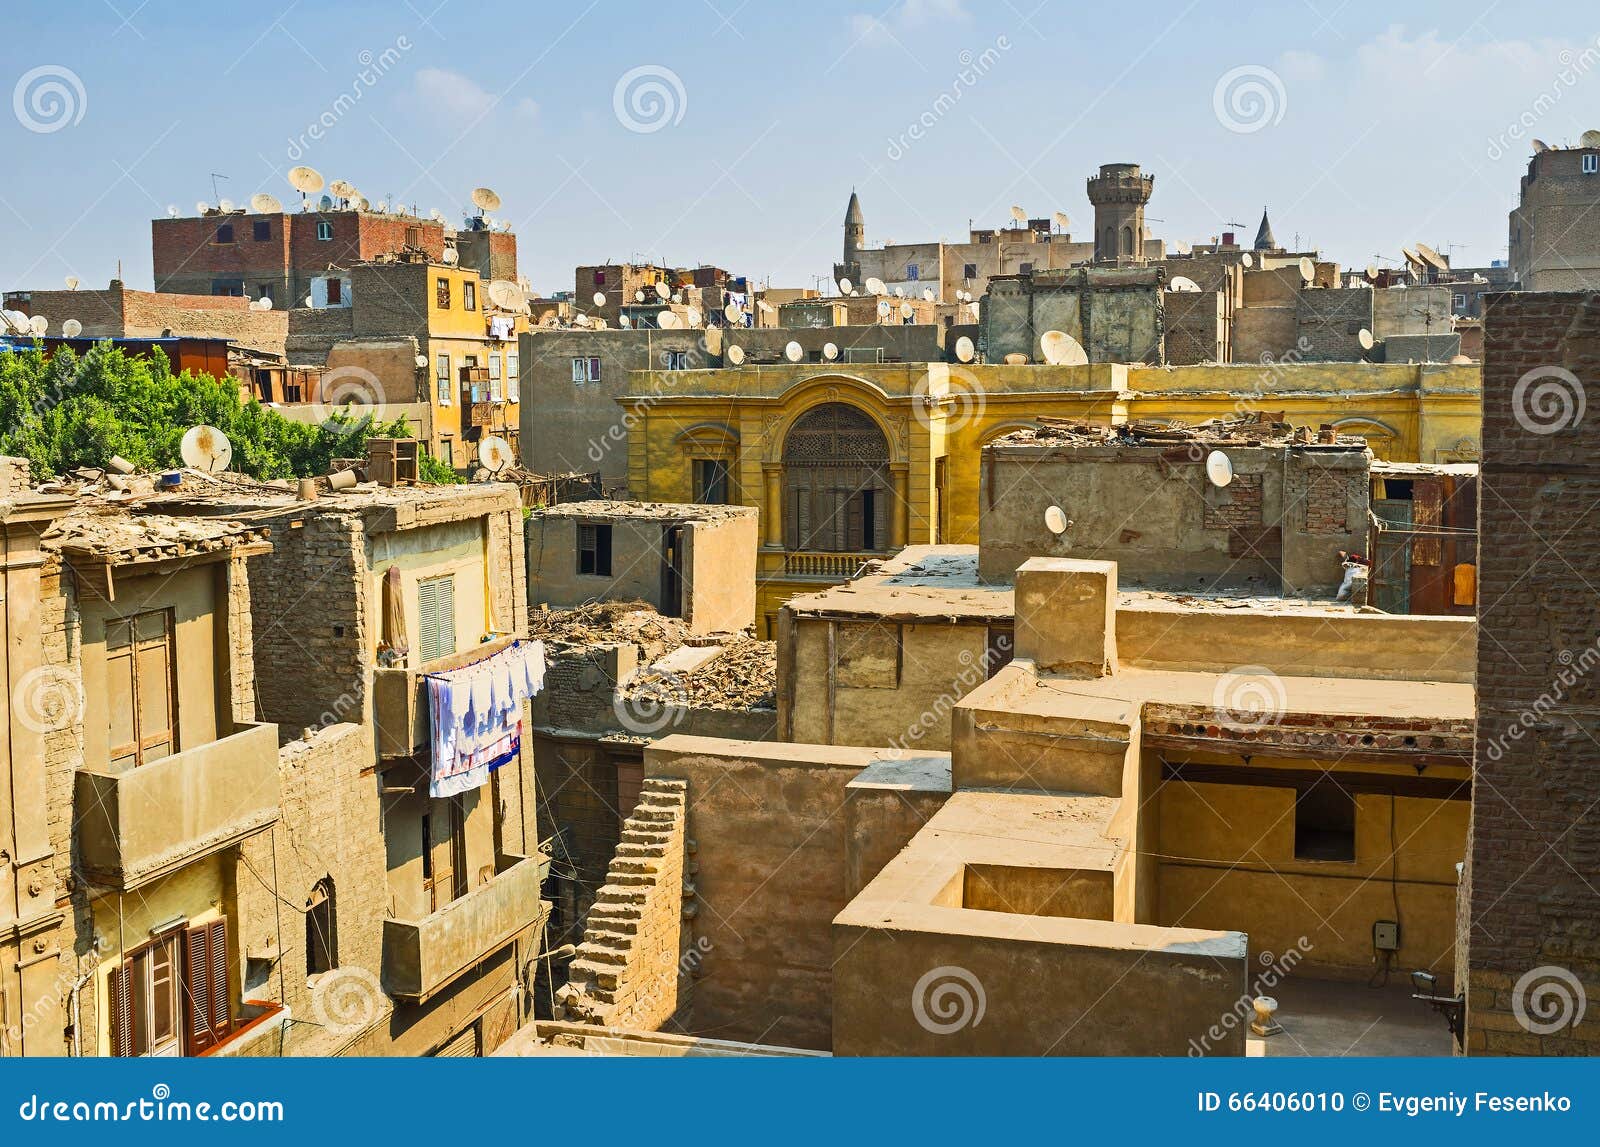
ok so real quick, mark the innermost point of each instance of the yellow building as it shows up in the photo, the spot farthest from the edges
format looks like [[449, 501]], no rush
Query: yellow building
[[851, 462]]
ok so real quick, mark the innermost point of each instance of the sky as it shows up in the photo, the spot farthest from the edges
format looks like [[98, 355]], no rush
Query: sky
[[732, 131]]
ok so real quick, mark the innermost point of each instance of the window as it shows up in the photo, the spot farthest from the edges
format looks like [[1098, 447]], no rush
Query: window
[[969, 270], [224, 232], [594, 550], [436, 617], [141, 710], [233, 287], [441, 293], [675, 359], [711, 481], [175, 987], [469, 296], [600, 277], [1591, 164], [496, 394], [1459, 300], [324, 231], [441, 374], [586, 370], [1325, 822], [335, 292], [912, 272], [261, 230], [264, 291], [322, 941], [1026, 268], [447, 452], [513, 377]]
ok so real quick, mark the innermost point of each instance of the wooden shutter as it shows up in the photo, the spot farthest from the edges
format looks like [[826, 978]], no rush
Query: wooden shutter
[[462, 1045], [122, 1009], [208, 1009], [436, 618], [139, 680], [1427, 499]]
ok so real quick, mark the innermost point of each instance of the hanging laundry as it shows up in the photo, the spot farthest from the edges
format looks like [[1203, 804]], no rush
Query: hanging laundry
[[476, 715]]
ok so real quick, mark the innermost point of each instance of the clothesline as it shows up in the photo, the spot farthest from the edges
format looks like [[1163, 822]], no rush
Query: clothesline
[[476, 715]]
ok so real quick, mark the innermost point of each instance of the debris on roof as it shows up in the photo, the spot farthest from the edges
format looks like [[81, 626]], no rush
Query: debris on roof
[[1256, 429]]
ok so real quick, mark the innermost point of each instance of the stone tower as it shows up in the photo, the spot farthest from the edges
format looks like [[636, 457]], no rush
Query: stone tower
[[1264, 239], [1119, 194], [855, 238]]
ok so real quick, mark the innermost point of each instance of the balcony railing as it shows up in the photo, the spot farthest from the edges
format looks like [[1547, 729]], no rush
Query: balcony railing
[[400, 699], [839, 567], [142, 823], [422, 956]]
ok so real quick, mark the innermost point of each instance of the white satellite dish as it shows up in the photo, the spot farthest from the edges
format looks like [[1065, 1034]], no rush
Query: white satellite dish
[[732, 313], [263, 204], [436, 215], [668, 320], [72, 282], [305, 180], [964, 349], [72, 328], [225, 206], [1372, 272], [1364, 337], [206, 448], [1061, 349], [1055, 520], [927, 294], [201, 207], [624, 321], [853, 294], [1590, 138], [1219, 469], [342, 189], [451, 256], [485, 199], [883, 308], [1308, 269], [1540, 145], [793, 351], [1183, 283], [494, 453], [765, 307], [506, 295], [899, 292], [422, 362], [1018, 215], [875, 286], [260, 304], [845, 286], [599, 298], [830, 351], [38, 324], [907, 310], [736, 354], [1061, 219], [663, 292], [1247, 260], [692, 316], [172, 211]]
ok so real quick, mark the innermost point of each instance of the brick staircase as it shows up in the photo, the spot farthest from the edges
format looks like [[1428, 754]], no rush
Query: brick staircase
[[625, 971]]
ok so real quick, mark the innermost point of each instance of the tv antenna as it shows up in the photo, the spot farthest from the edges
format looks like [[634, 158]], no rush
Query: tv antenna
[[215, 194]]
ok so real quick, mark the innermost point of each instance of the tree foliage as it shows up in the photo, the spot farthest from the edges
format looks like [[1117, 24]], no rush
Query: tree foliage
[[68, 411]]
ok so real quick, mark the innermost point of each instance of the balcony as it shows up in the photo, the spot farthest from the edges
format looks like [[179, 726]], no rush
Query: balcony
[[422, 956], [835, 567], [400, 699], [143, 823]]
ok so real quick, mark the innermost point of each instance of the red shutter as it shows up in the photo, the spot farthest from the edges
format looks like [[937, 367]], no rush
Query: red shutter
[[121, 1010], [207, 1006], [221, 999]]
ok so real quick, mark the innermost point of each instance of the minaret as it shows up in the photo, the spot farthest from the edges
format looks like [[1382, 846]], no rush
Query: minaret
[[1264, 239], [855, 230], [1119, 194]]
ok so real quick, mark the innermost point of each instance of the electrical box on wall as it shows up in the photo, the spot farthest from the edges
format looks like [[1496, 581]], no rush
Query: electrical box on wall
[[1386, 936]]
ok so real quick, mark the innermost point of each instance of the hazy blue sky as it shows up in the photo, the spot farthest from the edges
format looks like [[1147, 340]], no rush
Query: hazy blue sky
[[1362, 125]]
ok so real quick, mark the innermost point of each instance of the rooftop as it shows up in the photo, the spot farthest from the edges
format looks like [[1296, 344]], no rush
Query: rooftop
[[658, 511], [1253, 430]]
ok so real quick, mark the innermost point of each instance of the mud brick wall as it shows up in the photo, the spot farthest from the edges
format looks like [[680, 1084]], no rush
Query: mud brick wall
[[1530, 932]]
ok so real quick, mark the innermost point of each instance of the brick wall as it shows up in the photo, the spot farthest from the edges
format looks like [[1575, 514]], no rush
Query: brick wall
[[1532, 919], [1328, 324], [1193, 327]]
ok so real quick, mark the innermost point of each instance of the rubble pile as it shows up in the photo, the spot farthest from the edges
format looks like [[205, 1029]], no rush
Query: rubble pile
[[1256, 429]]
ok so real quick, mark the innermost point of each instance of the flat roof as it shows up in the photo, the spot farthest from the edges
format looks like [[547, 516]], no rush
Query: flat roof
[[662, 511]]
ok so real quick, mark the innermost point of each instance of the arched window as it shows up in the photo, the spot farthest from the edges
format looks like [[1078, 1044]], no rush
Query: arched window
[[836, 483], [1127, 240], [322, 936]]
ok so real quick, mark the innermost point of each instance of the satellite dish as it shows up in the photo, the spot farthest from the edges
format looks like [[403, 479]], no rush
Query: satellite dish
[[899, 292], [494, 454], [736, 354], [201, 207], [907, 310], [484, 199], [72, 282], [1055, 520], [1364, 337], [306, 302], [1372, 272], [580, 321], [599, 298], [692, 316], [506, 295], [436, 215], [72, 328], [883, 308], [1540, 145], [1183, 283], [793, 351], [624, 321], [927, 294], [451, 256], [255, 304], [677, 297], [1061, 349], [668, 320], [830, 351], [713, 340], [845, 286], [359, 203], [1247, 260], [38, 324], [663, 292], [732, 313], [874, 286], [638, 296], [1219, 469], [263, 204], [325, 203], [1590, 138], [422, 362], [225, 206], [765, 307], [206, 448], [964, 349], [1308, 269], [305, 180], [172, 211], [853, 294], [1061, 219], [1018, 214]]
